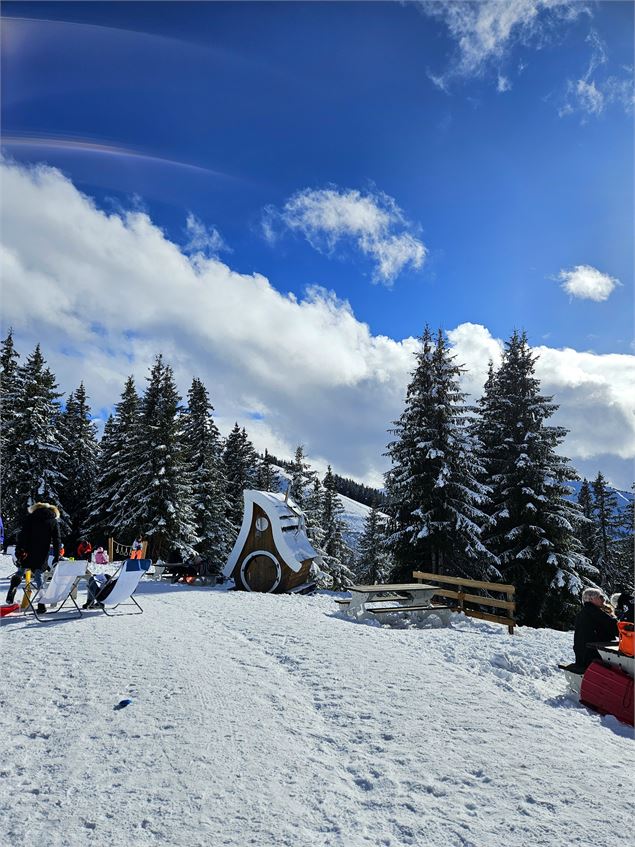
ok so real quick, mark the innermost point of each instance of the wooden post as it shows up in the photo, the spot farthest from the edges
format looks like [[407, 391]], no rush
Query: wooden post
[[111, 557], [512, 614], [144, 548], [461, 596]]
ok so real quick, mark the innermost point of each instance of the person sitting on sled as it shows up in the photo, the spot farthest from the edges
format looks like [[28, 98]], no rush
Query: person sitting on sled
[[593, 623], [101, 557], [40, 529]]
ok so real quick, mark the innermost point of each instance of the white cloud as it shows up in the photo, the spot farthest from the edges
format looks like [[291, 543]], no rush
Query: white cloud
[[590, 95], [485, 31], [587, 283], [503, 84], [595, 393], [202, 239], [372, 221], [104, 292]]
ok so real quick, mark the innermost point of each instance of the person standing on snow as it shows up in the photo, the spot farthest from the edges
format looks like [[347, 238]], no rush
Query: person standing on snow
[[137, 548], [40, 530]]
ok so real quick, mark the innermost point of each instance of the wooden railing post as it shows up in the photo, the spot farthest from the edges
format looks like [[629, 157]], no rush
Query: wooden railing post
[[512, 613]]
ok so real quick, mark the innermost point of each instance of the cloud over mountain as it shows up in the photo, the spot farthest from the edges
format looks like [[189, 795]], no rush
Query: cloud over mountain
[[103, 292]]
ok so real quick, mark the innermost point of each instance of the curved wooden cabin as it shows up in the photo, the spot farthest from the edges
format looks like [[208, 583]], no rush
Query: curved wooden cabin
[[272, 552]]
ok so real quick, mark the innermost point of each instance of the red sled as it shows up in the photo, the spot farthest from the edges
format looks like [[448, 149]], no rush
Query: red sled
[[609, 691], [6, 610]]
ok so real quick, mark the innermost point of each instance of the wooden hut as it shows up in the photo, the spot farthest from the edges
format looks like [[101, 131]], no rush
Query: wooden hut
[[272, 552]]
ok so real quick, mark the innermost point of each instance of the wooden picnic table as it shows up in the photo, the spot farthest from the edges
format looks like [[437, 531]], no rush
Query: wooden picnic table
[[410, 596]]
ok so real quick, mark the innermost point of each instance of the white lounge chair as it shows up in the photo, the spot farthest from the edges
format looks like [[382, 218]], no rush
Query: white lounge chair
[[122, 587], [59, 589]]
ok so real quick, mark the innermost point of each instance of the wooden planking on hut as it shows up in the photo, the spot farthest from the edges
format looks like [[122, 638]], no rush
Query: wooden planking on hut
[[272, 552]]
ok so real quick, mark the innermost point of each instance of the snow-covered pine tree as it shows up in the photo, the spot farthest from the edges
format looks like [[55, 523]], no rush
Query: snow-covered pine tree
[[587, 529], [626, 547], [112, 501], [161, 486], [10, 391], [35, 472], [301, 477], [313, 511], [435, 500], [334, 551], [203, 451], [374, 561], [79, 435], [240, 463], [267, 477], [605, 553], [533, 526]]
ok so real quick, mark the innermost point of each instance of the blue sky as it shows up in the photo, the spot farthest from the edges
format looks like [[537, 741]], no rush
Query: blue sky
[[498, 155]]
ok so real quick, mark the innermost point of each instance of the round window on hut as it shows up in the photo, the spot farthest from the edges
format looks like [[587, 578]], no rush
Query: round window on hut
[[261, 524]]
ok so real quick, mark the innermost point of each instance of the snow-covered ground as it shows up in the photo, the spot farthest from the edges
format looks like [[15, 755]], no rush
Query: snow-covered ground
[[273, 720]]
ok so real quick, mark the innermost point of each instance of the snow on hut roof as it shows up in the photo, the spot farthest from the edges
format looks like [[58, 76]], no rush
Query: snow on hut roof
[[287, 524]]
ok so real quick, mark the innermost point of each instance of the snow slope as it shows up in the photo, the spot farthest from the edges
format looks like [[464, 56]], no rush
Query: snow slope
[[273, 720]]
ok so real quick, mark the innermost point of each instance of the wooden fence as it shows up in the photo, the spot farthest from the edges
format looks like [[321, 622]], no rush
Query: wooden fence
[[459, 594], [116, 549]]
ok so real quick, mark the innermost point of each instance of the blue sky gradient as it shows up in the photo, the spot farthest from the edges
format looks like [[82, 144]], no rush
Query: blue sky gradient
[[224, 110]]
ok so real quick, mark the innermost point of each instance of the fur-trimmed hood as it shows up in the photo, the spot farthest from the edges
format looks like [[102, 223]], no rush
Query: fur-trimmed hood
[[50, 506]]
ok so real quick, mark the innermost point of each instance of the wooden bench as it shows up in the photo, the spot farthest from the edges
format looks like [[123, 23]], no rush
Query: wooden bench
[[459, 594]]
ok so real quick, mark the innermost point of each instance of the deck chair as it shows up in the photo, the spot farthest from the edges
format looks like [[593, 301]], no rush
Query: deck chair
[[59, 590], [122, 587]]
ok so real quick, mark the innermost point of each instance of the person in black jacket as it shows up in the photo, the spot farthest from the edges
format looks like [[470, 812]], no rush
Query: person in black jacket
[[624, 604], [593, 623], [40, 530]]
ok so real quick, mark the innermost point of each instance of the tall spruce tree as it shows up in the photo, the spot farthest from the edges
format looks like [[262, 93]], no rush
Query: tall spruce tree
[[240, 463], [435, 500], [267, 477], [10, 391], [533, 526], [301, 477], [114, 495], [605, 553], [79, 435], [587, 528], [203, 451], [334, 551], [626, 547], [161, 486], [35, 471], [313, 511], [375, 563]]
